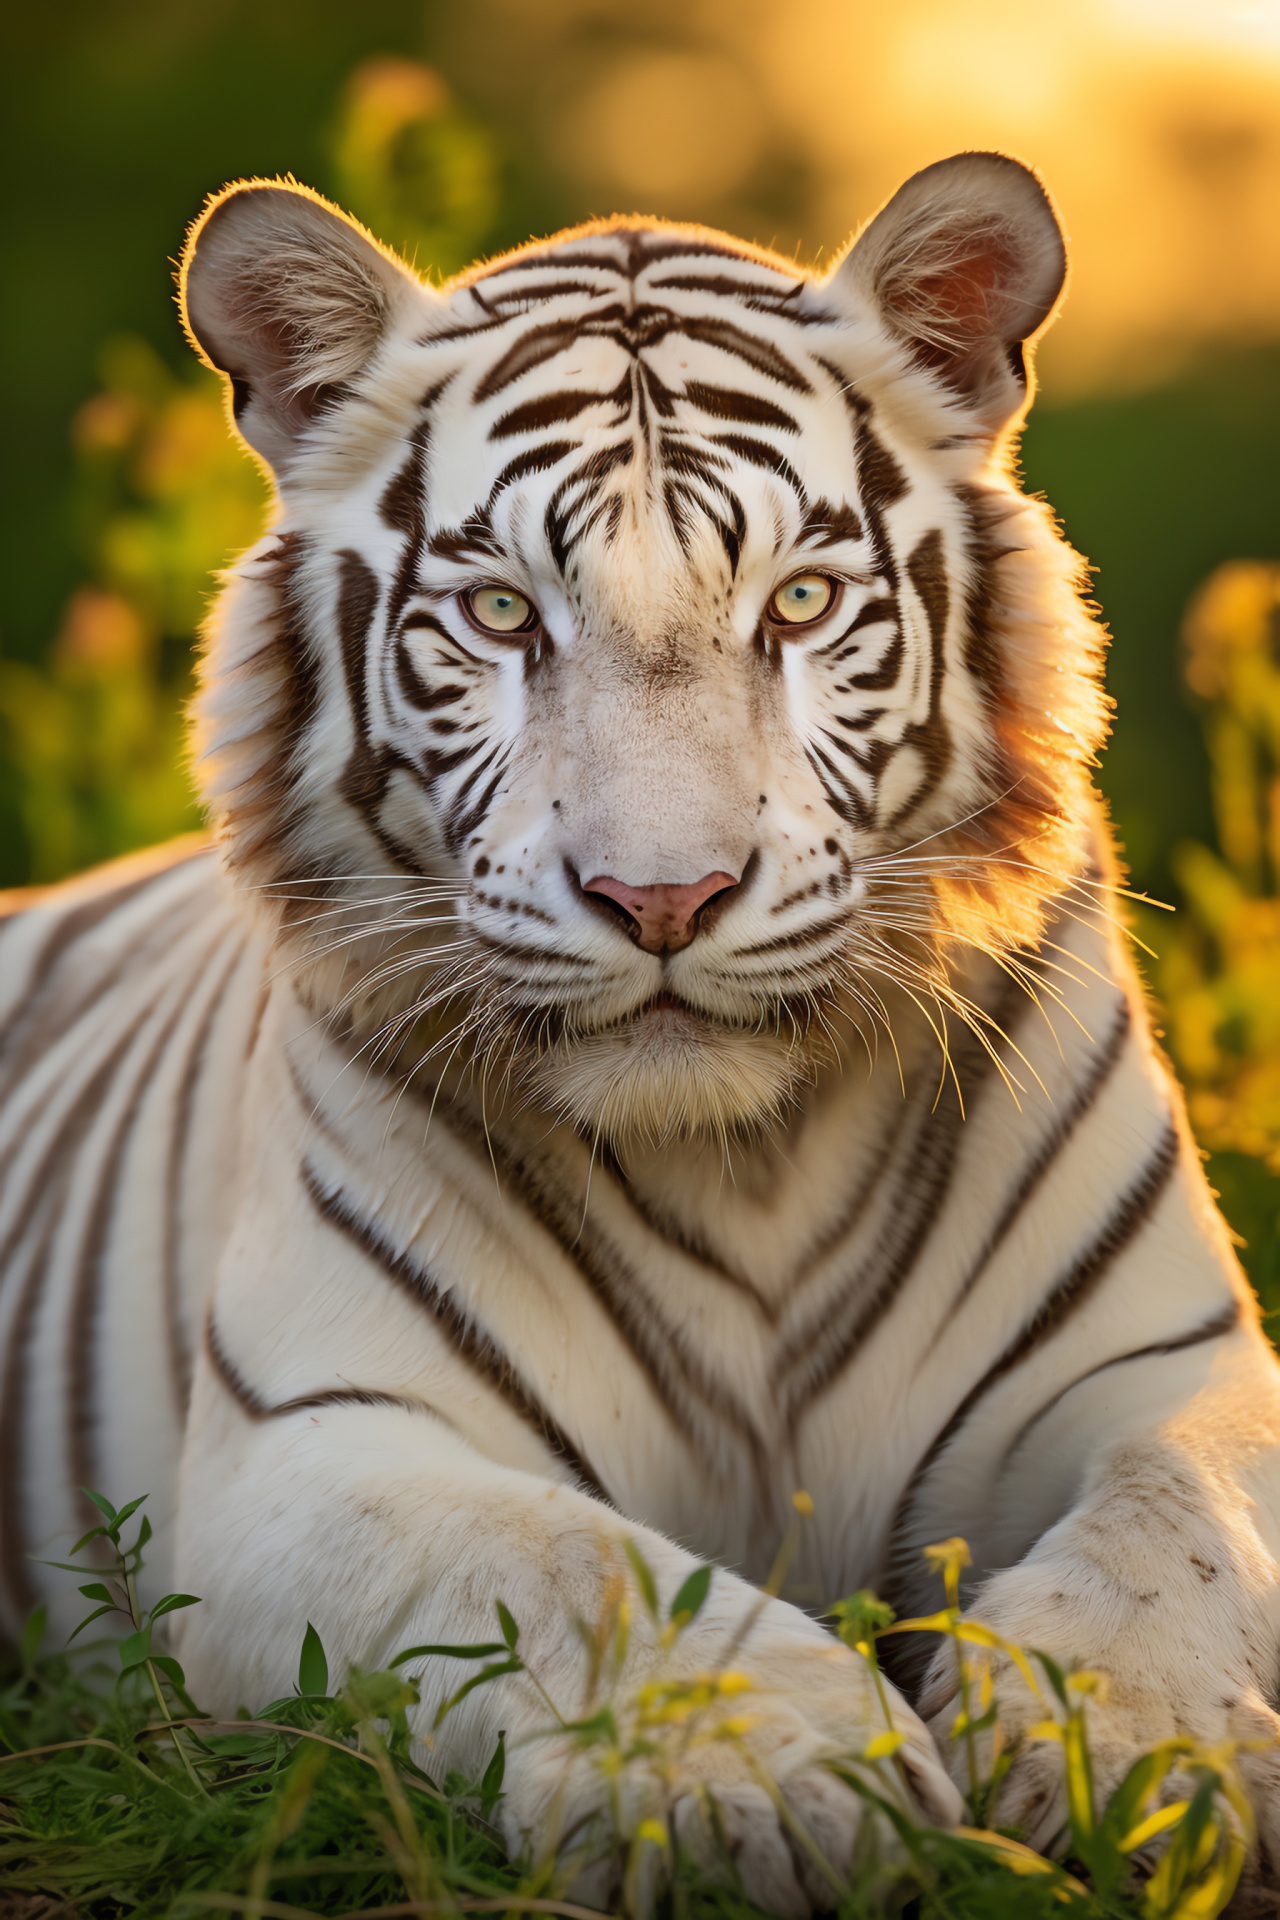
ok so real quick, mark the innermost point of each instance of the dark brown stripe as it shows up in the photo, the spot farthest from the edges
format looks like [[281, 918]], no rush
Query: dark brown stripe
[[758, 453], [13, 1405], [46, 1187], [31, 1037], [179, 1138], [1223, 1322], [931, 739], [553, 409], [259, 1014], [1062, 1301], [296, 662], [677, 1378], [749, 409], [258, 1409], [1101, 1067], [833, 522], [475, 1348], [817, 1354], [86, 1287], [72, 926]]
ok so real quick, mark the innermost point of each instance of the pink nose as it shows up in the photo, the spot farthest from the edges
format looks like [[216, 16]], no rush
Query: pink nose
[[664, 916]]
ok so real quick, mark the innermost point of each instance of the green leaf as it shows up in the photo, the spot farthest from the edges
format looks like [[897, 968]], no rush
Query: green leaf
[[33, 1633], [88, 1621], [644, 1578], [144, 1534], [514, 1665], [510, 1631], [494, 1775], [103, 1505], [443, 1652], [131, 1507], [172, 1601], [1170, 1890], [177, 1679], [94, 1533], [600, 1726], [135, 1648], [1053, 1673], [1124, 1809], [313, 1668], [689, 1602], [96, 1591]]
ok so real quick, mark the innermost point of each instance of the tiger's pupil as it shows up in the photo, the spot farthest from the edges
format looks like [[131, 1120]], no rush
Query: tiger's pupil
[[500, 609], [802, 599]]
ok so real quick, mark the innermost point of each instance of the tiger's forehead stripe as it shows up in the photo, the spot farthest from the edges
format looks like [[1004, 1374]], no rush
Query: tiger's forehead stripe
[[602, 290]]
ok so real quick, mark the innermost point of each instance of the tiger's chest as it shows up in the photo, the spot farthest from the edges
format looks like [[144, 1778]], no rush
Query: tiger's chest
[[698, 1342]]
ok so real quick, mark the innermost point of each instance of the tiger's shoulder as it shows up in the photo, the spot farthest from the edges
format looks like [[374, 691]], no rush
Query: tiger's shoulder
[[114, 934]]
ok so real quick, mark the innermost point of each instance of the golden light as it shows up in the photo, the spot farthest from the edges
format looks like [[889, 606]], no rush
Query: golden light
[[1155, 124]]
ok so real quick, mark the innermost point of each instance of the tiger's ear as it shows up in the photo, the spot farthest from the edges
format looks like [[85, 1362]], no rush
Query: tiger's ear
[[965, 263], [288, 298]]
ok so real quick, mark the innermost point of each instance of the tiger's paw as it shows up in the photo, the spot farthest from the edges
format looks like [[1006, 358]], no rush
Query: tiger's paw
[[742, 1786], [1126, 1719]]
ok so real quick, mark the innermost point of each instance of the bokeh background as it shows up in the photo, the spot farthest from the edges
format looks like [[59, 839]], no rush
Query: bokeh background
[[455, 127]]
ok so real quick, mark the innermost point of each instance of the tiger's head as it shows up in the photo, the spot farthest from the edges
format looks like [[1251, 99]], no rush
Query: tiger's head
[[652, 666]]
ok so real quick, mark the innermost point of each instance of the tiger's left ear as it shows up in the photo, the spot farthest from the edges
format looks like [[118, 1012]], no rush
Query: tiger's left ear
[[965, 263]]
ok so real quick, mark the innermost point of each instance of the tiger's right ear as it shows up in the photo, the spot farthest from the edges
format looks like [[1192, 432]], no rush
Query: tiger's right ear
[[289, 299]]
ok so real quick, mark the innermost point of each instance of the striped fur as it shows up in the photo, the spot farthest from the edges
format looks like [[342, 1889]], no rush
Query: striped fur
[[447, 1235]]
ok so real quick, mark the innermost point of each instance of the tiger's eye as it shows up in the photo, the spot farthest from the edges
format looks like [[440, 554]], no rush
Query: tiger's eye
[[500, 609], [805, 598]]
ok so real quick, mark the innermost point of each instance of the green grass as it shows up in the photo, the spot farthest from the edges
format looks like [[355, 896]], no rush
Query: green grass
[[118, 1798]]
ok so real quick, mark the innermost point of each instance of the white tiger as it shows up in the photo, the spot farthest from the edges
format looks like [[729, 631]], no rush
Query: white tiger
[[650, 1037]]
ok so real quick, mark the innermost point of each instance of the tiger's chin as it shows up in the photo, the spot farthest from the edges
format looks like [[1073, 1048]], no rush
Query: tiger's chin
[[671, 1073]]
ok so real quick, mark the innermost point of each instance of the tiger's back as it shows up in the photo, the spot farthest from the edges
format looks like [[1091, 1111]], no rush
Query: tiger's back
[[129, 1002]]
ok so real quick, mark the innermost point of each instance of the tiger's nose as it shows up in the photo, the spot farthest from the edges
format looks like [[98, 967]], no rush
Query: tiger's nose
[[666, 918]]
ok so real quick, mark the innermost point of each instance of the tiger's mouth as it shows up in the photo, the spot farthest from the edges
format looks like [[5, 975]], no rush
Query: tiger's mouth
[[673, 1013], [669, 1069]]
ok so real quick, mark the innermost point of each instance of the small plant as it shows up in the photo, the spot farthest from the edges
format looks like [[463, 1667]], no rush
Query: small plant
[[316, 1806]]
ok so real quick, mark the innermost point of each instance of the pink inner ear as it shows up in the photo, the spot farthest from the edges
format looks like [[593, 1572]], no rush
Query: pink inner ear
[[963, 302]]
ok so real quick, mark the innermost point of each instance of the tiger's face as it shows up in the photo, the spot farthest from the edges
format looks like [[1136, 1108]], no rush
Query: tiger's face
[[640, 694]]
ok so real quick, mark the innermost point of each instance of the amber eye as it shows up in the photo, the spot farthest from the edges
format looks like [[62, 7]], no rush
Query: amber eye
[[803, 599], [500, 610]]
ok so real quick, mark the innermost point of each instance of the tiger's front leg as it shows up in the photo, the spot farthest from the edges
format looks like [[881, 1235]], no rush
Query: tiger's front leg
[[385, 1529], [1163, 1576]]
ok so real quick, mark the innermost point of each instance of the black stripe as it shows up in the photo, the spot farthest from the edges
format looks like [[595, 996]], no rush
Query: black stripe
[[477, 1349], [726, 287], [930, 738], [257, 1409], [813, 1359], [727, 403], [1063, 1299], [1101, 1067], [46, 1188], [842, 796], [552, 409], [658, 1347], [760, 454], [887, 674], [70, 927], [179, 1140], [1223, 1322], [532, 460], [26, 1039], [834, 523], [86, 1286], [881, 481]]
